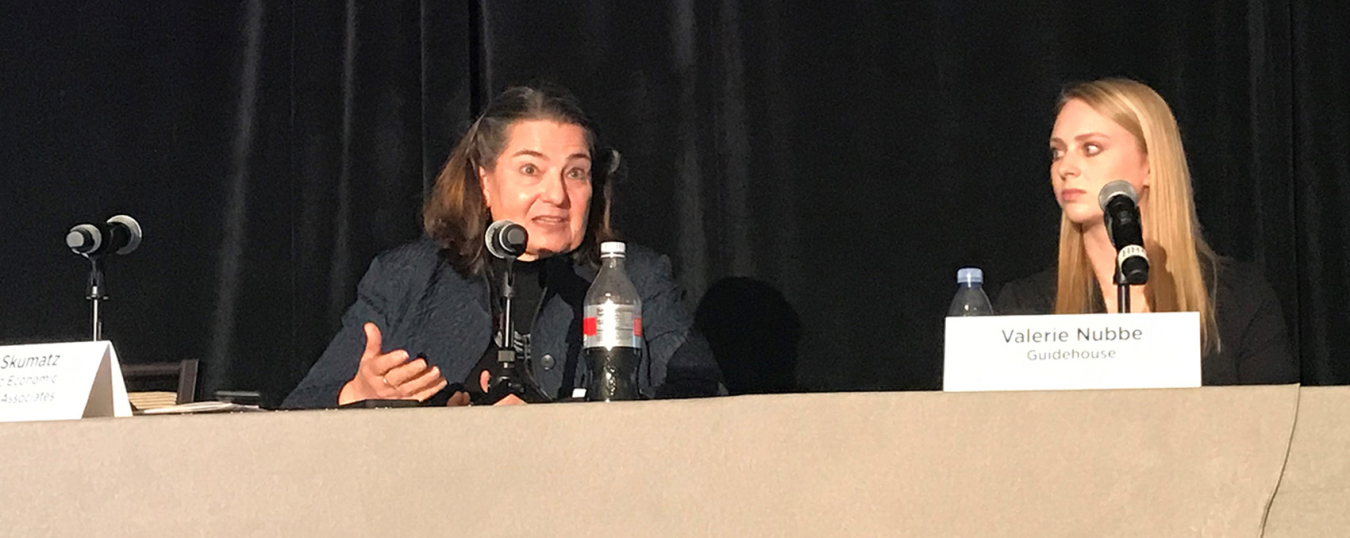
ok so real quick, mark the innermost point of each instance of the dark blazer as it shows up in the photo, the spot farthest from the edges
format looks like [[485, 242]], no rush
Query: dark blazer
[[1253, 347], [422, 305]]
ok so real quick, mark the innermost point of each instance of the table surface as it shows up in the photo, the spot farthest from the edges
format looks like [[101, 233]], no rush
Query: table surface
[[1170, 462]]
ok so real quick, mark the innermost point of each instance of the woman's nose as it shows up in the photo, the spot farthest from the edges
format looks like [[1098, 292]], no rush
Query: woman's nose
[[554, 192], [1066, 168]]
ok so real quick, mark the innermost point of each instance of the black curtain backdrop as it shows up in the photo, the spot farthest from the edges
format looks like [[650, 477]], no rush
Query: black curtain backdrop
[[851, 154]]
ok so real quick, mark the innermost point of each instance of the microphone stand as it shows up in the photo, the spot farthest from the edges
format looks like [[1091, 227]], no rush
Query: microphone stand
[[506, 355], [511, 380], [1122, 292], [96, 291], [506, 382]]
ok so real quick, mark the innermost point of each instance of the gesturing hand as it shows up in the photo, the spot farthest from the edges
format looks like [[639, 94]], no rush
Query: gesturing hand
[[390, 376]]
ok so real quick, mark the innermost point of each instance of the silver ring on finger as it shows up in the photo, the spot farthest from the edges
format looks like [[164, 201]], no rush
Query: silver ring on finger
[[386, 382]]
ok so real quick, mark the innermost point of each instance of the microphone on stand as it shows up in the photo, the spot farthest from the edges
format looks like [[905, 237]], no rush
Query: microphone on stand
[[1120, 212], [507, 240], [121, 234]]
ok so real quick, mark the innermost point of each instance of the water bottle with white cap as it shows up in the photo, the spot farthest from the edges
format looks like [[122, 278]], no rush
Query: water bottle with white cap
[[612, 329], [970, 298]]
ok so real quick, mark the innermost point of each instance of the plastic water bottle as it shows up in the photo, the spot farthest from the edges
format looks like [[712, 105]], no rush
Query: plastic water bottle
[[970, 299], [612, 329]]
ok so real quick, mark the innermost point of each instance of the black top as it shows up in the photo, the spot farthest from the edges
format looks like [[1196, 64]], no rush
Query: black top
[[1253, 347]]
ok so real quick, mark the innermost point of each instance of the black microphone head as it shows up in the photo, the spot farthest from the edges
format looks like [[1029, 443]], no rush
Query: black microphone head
[[506, 239], [126, 233], [84, 238], [1116, 188], [1117, 192]]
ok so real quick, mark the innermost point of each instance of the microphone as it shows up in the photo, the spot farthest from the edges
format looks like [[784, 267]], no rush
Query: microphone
[[506, 239], [1120, 212], [120, 235]]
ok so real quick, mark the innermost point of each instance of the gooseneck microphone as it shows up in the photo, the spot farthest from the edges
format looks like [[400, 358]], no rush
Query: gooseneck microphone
[[506, 239], [120, 235], [1120, 212]]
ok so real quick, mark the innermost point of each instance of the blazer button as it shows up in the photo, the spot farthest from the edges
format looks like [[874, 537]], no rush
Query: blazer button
[[547, 361]]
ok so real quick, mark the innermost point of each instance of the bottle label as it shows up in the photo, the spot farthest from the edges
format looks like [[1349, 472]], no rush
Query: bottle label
[[610, 325]]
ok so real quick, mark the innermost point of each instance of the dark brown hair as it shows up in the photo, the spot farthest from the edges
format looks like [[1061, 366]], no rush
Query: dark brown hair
[[455, 215]]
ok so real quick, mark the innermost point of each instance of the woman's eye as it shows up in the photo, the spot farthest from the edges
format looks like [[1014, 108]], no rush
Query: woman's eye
[[578, 173], [529, 170], [1091, 149], [1055, 154]]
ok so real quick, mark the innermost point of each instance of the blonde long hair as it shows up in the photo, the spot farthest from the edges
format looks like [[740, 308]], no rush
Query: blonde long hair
[[1178, 255]]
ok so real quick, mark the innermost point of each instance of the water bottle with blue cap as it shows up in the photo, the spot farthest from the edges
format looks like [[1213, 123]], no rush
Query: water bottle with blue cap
[[970, 298]]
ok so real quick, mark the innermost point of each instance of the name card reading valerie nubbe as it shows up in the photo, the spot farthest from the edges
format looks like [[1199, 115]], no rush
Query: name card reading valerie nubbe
[[1084, 351]]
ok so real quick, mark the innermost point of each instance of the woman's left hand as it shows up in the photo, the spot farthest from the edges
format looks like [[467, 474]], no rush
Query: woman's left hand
[[510, 399]]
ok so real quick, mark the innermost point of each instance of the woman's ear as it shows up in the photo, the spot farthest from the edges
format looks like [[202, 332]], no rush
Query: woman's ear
[[483, 179]]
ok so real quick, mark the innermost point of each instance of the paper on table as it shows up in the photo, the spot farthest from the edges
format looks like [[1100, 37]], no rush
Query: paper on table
[[201, 407]]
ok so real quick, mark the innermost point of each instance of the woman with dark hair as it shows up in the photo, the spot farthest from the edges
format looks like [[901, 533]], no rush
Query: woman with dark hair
[[1120, 129], [426, 312]]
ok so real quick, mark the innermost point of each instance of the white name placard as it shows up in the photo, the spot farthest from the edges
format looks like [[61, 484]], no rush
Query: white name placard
[[1087, 351], [61, 381]]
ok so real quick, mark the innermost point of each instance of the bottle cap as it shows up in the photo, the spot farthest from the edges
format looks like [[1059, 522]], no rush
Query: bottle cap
[[969, 275], [611, 247]]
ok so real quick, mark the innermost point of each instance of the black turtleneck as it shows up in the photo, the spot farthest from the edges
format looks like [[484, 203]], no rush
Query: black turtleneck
[[529, 293]]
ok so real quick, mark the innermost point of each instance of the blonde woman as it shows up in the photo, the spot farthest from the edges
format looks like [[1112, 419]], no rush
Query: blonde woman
[[1114, 129]]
